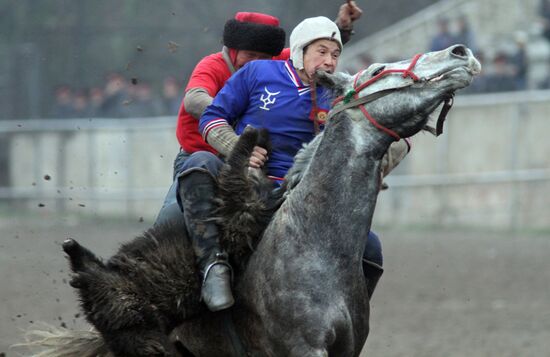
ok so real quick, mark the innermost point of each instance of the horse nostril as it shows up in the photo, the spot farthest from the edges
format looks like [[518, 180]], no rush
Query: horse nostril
[[459, 51]]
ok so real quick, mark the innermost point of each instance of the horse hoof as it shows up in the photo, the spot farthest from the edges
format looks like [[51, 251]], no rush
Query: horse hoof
[[69, 245], [263, 139], [250, 130], [76, 282]]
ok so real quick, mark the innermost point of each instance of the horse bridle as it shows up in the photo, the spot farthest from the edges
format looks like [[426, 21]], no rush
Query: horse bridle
[[351, 99]]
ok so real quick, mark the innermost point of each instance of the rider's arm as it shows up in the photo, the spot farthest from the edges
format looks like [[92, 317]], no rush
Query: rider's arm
[[223, 139], [230, 103], [348, 13], [196, 100], [206, 80]]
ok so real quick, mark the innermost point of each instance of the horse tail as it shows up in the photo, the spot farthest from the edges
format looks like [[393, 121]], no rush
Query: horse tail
[[51, 341], [245, 196]]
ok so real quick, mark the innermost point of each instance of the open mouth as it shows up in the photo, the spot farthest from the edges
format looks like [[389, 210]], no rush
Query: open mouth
[[462, 71]]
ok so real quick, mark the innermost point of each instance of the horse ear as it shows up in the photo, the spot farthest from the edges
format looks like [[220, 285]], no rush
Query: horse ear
[[336, 82]]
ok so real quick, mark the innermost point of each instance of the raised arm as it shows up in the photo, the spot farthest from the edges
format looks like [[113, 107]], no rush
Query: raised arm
[[349, 12]]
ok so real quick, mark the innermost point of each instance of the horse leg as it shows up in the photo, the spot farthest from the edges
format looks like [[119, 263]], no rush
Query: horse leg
[[246, 197], [127, 321], [116, 306], [81, 259], [239, 157]]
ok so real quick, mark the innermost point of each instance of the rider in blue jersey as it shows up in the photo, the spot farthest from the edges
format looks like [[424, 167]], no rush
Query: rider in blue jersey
[[275, 95], [271, 95]]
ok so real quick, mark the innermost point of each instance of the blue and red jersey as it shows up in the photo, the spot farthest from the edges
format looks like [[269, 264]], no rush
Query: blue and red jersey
[[268, 94], [211, 73]]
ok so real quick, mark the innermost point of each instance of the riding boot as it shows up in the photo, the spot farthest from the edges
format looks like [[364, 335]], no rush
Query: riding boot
[[372, 272], [197, 191]]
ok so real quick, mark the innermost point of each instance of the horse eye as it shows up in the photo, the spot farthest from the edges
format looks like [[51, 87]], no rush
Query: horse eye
[[378, 71]]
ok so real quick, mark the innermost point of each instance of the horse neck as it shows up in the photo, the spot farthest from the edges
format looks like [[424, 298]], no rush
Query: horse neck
[[335, 200]]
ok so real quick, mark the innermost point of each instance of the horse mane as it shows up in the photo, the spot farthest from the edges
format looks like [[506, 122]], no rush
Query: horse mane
[[301, 164]]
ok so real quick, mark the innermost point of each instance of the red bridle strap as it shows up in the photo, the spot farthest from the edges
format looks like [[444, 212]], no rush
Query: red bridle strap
[[406, 73], [354, 93], [388, 131]]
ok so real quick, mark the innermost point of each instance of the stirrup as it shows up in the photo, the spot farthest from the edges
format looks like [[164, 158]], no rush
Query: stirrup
[[221, 259]]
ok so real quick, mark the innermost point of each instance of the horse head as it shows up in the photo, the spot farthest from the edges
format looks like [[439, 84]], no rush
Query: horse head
[[402, 95]]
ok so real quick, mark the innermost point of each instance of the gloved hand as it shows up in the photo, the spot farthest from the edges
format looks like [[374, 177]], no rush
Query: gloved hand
[[397, 152]]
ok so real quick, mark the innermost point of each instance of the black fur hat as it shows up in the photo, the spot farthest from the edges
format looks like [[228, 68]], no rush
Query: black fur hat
[[254, 32]]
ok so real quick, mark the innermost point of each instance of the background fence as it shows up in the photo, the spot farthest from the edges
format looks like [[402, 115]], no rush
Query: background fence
[[490, 168], [119, 167]]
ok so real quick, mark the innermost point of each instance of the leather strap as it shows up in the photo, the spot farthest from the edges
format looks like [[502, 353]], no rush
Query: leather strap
[[360, 101], [443, 115]]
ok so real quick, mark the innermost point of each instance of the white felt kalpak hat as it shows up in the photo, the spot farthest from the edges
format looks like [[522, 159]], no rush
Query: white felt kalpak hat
[[309, 30]]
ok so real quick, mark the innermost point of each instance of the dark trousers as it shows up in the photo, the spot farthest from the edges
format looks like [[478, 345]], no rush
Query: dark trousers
[[204, 161], [184, 164]]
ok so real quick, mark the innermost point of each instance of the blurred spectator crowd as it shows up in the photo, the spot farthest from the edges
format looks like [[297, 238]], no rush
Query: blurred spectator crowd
[[505, 66], [504, 70], [118, 98]]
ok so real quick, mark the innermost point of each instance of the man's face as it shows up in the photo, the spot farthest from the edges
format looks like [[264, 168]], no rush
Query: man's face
[[245, 56], [321, 54]]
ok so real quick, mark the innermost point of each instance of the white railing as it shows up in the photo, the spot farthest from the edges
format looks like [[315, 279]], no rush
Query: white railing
[[490, 167], [108, 166], [479, 178]]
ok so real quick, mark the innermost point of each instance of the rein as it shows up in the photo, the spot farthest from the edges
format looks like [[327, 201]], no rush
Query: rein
[[447, 105], [314, 114], [352, 99]]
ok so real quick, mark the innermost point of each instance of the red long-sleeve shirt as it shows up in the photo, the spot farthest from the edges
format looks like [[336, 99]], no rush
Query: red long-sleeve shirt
[[210, 73]]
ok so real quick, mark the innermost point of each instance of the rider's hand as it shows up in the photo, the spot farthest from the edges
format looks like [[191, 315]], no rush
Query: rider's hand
[[258, 158], [348, 13]]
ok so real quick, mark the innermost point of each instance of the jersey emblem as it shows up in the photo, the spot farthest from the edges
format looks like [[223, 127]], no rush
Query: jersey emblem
[[322, 117], [267, 100]]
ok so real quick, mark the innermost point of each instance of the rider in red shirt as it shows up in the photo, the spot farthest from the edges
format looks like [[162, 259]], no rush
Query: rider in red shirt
[[249, 36]]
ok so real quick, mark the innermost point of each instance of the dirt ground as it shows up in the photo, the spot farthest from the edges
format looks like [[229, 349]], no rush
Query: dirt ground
[[443, 293]]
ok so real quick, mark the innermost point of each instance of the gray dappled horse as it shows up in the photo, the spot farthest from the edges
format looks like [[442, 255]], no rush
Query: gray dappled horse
[[302, 292]]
